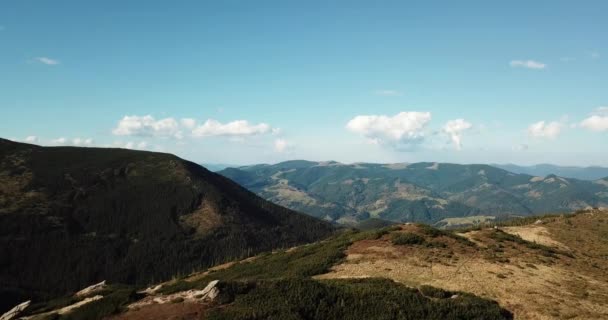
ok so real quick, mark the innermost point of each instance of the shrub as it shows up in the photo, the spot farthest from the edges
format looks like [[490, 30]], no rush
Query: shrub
[[351, 299], [406, 238], [305, 261], [433, 292]]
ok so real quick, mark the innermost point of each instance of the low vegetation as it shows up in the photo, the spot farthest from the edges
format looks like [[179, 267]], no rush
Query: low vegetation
[[350, 299], [301, 262], [406, 238], [501, 236]]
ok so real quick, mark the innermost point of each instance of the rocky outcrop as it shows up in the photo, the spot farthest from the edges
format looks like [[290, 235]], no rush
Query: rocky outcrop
[[209, 293], [91, 289], [14, 312]]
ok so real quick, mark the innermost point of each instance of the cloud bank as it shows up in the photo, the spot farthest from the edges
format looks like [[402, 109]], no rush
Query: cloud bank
[[148, 126]]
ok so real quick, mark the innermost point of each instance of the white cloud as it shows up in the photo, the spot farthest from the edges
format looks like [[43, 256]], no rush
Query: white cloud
[[388, 93], [47, 61], [597, 121], [238, 128], [282, 145], [134, 145], [404, 128], [59, 141], [147, 126], [600, 111], [31, 139], [188, 123], [544, 129], [455, 129], [595, 55], [529, 64], [77, 142], [82, 142]]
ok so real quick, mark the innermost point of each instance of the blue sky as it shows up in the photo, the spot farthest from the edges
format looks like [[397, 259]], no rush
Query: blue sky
[[244, 82]]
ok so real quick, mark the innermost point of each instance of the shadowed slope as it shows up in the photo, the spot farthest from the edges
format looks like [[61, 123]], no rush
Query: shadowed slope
[[70, 217]]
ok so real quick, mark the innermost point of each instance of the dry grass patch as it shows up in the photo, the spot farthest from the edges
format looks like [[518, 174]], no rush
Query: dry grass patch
[[522, 276]]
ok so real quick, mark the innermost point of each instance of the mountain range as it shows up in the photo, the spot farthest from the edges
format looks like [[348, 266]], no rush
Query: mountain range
[[152, 236], [581, 173], [424, 192], [73, 216]]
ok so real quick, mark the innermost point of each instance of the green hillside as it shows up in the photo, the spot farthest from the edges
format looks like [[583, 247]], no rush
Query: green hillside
[[425, 192]]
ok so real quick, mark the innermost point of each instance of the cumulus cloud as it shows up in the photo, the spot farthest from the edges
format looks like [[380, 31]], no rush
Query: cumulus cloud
[[134, 145], [544, 129], [282, 145], [402, 129], [238, 128], [59, 141], [597, 121], [188, 123], [82, 142], [77, 142], [455, 129], [31, 139], [147, 126], [528, 64], [388, 93], [47, 61]]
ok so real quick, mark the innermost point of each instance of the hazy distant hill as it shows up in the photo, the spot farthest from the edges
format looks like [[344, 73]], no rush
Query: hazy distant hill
[[427, 192], [216, 166], [541, 170], [70, 217]]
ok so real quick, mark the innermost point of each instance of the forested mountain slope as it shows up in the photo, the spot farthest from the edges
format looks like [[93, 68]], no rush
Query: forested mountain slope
[[426, 192], [71, 216]]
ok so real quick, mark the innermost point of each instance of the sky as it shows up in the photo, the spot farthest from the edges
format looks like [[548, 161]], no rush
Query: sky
[[242, 82]]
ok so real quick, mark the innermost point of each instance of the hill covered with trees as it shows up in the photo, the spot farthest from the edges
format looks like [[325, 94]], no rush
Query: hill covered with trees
[[70, 217], [423, 192]]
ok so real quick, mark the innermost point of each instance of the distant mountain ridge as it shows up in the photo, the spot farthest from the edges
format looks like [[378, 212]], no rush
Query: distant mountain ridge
[[72, 216], [216, 166], [426, 192], [581, 173]]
